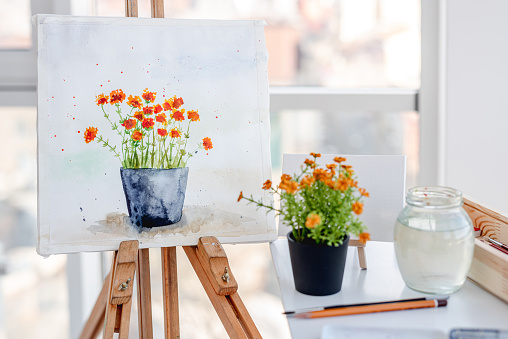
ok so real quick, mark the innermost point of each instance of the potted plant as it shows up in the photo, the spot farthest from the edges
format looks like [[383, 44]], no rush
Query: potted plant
[[322, 206], [152, 153]]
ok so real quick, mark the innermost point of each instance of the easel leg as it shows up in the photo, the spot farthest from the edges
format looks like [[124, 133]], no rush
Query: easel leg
[[95, 322], [144, 296], [170, 292]]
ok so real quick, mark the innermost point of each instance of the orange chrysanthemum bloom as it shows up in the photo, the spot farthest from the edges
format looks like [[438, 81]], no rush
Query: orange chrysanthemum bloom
[[139, 115], [289, 186], [168, 104], [148, 123], [313, 220], [207, 143], [321, 174], [240, 196], [178, 116], [364, 192], [175, 133], [310, 163], [285, 177], [90, 134], [162, 119], [339, 159], [148, 110], [342, 184], [364, 237], [137, 135], [116, 97], [157, 109], [149, 96], [267, 185], [129, 123], [307, 181], [134, 102], [193, 115], [162, 132], [101, 99], [316, 155], [331, 166], [357, 208], [177, 102]]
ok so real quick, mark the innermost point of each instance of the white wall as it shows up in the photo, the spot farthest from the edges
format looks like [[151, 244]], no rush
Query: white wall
[[476, 106]]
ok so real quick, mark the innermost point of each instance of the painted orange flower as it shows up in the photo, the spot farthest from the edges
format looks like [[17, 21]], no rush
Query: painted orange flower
[[139, 115], [117, 97], [137, 135], [316, 155], [364, 237], [149, 96], [148, 123], [168, 104], [90, 134], [207, 143], [313, 220], [161, 118], [175, 133], [364, 192], [148, 110], [339, 159], [267, 185], [178, 116], [177, 102], [240, 196], [129, 123], [193, 115], [101, 99], [357, 207], [162, 132], [134, 102], [157, 109]]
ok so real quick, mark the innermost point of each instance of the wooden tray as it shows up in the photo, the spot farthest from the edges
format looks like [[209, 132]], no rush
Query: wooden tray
[[489, 268]]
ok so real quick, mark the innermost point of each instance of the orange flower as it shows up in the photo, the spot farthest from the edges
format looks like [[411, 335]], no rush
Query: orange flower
[[177, 102], [117, 97], [101, 99], [157, 109], [240, 196], [137, 135], [310, 163], [90, 134], [148, 123], [129, 123], [289, 186], [364, 192], [193, 115], [331, 166], [267, 185], [149, 96], [168, 104], [339, 159], [148, 110], [162, 132], [307, 181], [313, 220], [342, 183], [364, 237], [357, 208], [139, 115], [175, 133], [178, 116], [316, 155], [161, 118], [207, 143], [321, 174], [285, 177], [134, 102]]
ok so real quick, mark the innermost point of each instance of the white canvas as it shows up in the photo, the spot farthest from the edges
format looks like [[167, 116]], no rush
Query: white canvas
[[383, 176], [218, 67]]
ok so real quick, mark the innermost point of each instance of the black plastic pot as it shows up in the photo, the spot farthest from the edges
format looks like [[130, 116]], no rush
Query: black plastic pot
[[154, 196], [317, 269]]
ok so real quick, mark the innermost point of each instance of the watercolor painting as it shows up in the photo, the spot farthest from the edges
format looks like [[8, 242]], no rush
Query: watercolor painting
[[147, 130]]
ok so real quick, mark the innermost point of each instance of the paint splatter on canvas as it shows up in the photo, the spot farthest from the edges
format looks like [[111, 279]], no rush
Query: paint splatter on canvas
[[150, 93]]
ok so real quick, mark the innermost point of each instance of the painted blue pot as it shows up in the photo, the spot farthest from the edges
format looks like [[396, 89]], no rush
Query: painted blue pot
[[154, 196]]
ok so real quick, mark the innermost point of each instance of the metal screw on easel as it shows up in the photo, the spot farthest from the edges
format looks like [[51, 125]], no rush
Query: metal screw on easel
[[225, 276], [125, 285]]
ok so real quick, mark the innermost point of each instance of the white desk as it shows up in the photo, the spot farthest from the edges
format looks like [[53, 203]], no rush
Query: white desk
[[381, 281]]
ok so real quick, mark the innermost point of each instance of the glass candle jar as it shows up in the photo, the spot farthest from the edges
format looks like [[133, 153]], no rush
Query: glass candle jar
[[434, 240]]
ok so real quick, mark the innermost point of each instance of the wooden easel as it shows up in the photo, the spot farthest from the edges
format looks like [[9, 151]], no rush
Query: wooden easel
[[113, 306]]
